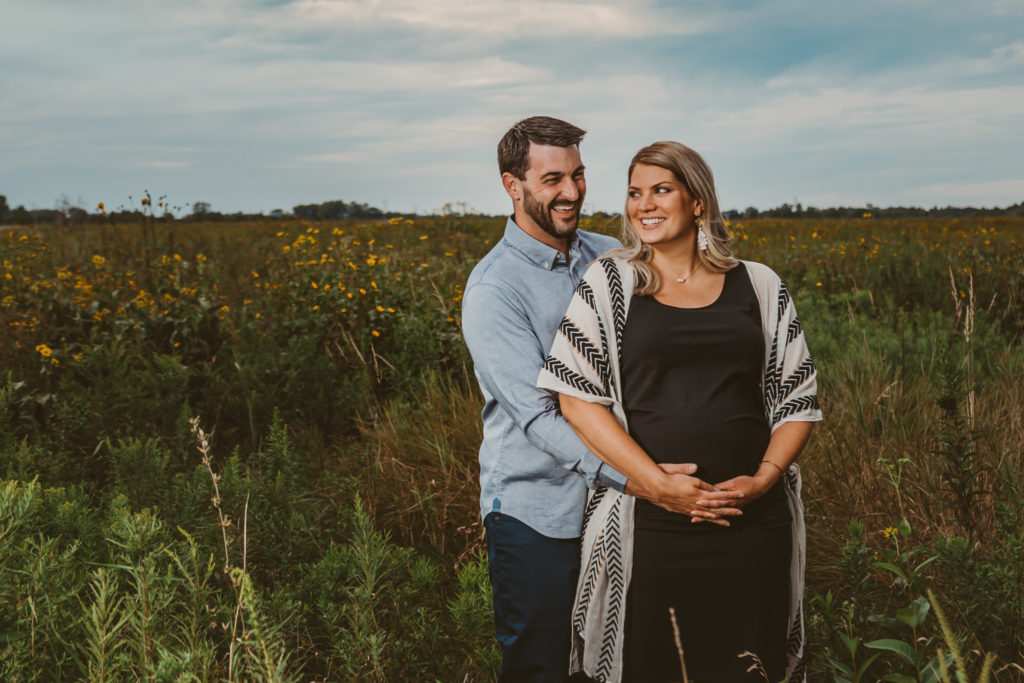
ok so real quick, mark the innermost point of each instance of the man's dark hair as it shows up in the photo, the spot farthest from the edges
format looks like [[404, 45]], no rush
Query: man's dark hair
[[514, 148]]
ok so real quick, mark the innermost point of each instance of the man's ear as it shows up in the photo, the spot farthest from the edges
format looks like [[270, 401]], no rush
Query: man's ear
[[513, 186]]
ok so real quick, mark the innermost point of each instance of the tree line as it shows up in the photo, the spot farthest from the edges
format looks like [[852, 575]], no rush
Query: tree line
[[69, 215]]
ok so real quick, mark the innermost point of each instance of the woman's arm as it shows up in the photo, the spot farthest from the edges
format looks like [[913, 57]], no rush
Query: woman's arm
[[605, 437], [786, 443]]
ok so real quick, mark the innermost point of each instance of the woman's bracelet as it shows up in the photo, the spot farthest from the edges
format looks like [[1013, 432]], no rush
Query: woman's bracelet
[[773, 465]]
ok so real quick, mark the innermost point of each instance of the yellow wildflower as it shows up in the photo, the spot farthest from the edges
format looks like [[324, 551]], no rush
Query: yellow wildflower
[[44, 350]]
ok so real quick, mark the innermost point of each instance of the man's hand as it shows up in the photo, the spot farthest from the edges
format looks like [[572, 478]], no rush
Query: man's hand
[[677, 491]]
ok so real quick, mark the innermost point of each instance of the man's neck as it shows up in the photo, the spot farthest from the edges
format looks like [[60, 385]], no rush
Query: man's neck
[[527, 225]]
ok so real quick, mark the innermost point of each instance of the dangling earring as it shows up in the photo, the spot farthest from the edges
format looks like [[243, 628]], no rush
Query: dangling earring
[[702, 237]]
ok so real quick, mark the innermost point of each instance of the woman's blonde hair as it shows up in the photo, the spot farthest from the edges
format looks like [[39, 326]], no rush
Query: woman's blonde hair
[[693, 172]]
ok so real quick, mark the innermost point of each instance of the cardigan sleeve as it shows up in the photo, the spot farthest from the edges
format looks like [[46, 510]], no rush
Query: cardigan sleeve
[[578, 364], [791, 385]]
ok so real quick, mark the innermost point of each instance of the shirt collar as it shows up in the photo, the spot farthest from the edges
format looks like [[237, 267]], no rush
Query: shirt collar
[[539, 253]]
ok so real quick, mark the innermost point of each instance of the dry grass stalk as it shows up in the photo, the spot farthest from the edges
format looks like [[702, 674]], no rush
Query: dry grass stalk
[[679, 643], [238, 627]]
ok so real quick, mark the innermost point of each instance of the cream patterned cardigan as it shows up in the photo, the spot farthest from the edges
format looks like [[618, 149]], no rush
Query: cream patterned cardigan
[[584, 363]]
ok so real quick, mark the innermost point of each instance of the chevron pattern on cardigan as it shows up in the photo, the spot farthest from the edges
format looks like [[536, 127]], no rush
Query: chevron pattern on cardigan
[[803, 372], [577, 381], [616, 594], [784, 299], [794, 406], [595, 499], [586, 292], [794, 330], [586, 349], [589, 582], [618, 302]]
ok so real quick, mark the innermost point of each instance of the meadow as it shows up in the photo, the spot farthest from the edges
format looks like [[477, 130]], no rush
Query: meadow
[[247, 451]]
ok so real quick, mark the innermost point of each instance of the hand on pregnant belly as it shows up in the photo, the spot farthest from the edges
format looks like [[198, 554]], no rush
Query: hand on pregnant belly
[[679, 492], [752, 488]]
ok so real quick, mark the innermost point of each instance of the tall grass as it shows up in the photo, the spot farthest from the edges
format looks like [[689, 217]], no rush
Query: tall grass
[[332, 532]]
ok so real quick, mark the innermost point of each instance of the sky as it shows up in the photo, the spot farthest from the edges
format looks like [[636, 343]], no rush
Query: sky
[[255, 105]]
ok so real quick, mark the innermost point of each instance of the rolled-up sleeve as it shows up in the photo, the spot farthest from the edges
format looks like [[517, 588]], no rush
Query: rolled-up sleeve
[[507, 355]]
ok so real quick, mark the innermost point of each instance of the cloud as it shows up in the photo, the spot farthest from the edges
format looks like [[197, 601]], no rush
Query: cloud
[[165, 164], [332, 158], [503, 19], [970, 192], [404, 101]]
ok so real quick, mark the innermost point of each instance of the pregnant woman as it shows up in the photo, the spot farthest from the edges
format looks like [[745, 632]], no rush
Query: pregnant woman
[[672, 351]]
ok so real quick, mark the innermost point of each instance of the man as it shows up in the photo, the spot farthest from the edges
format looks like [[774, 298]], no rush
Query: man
[[534, 470]]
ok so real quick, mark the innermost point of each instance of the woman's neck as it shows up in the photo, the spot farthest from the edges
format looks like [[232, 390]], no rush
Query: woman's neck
[[675, 260]]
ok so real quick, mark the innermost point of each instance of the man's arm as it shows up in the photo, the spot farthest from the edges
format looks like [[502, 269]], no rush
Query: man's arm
[[507, 355]]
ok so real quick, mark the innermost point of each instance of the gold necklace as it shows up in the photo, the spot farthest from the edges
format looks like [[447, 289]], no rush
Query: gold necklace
[[683, 280]]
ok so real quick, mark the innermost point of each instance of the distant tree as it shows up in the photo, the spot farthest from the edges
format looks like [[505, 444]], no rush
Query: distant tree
[[20, 216], [3, 209], [200, 208]]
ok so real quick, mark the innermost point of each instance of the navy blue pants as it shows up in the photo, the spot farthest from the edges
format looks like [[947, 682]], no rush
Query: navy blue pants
[[533, 581]]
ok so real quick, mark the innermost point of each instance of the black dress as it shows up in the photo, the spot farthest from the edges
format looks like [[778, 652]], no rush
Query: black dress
[[691, 392]]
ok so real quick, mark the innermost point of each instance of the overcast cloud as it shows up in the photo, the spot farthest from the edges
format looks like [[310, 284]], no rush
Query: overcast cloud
[[255, 105]]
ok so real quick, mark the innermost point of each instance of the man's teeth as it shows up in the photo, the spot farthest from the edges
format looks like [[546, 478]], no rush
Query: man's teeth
[[652, 221], [564, 207]]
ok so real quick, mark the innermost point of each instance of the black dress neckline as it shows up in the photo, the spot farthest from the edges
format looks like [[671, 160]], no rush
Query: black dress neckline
[[721, 293]]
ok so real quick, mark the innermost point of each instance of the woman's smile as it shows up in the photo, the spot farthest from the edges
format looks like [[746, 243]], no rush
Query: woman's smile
[[660, 206]]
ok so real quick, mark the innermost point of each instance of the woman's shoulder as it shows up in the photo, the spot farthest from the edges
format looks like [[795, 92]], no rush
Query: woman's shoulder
[[612, 261], [761, 275]]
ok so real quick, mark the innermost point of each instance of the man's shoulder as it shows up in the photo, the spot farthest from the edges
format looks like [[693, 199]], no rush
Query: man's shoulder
[[594, 245], [495, 268], [497, 278]]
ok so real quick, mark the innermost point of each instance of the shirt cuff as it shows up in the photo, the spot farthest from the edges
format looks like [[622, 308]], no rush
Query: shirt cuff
[[609, 476]]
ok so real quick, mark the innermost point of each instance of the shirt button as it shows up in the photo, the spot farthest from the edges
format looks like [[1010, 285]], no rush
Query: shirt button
[[547, 265]]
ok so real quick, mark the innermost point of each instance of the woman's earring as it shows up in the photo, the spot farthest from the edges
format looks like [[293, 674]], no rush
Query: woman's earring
[[702, 237]]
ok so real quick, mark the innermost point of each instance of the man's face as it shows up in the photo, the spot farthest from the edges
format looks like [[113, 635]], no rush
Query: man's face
[[554, 188]]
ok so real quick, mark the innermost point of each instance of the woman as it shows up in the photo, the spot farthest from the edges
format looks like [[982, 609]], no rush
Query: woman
[[673, 351]]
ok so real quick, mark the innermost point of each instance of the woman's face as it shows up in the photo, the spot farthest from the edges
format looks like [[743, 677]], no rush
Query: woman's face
[[661, 209]]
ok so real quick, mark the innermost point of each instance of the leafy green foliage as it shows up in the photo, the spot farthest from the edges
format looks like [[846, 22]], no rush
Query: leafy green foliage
[[326, 362]]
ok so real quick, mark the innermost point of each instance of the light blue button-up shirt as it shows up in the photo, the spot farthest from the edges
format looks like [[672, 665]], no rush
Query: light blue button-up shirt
[[532, 465]]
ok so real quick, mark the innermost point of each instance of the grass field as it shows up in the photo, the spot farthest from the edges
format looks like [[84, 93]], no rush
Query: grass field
[[319, 522]]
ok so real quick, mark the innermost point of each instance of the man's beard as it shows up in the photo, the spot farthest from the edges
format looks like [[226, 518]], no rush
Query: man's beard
[[541, 215]]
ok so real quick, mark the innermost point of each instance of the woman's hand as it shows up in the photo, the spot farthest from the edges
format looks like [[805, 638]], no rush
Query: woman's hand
[[753, 487], [676, 491]]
